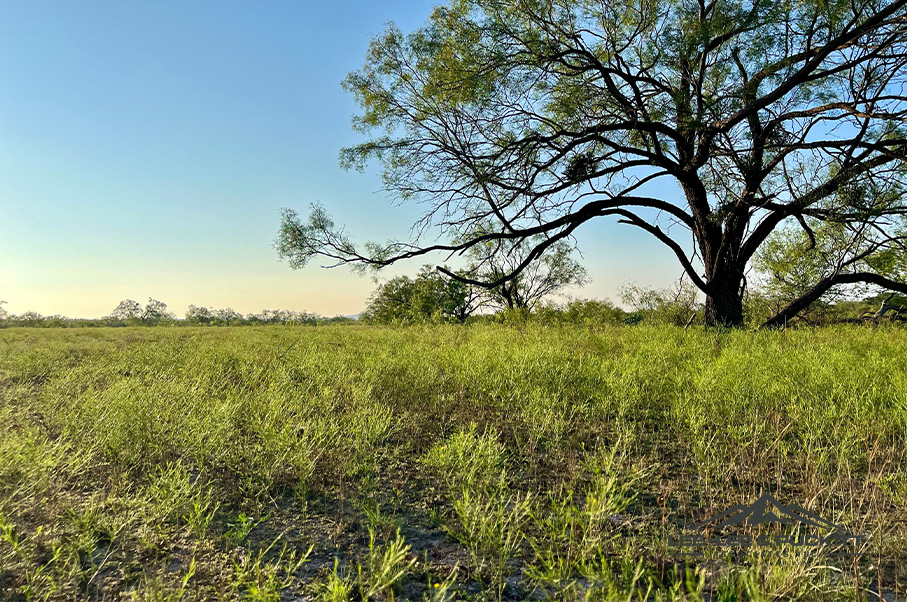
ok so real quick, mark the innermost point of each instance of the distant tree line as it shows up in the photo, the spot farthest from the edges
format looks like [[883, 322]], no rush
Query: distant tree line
[[230, 317], [155, 313]]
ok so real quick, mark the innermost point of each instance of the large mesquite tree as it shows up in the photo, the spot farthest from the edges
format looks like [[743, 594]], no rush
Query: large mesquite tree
[[708, 124]]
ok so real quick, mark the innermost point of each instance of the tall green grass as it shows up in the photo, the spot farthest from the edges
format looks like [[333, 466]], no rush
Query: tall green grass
[[443, 462]]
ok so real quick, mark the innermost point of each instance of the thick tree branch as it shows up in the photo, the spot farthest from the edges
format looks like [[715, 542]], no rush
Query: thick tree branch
[[816, 292]]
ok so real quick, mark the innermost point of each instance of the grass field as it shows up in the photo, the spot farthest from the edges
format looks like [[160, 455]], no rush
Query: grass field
[[447, 462]]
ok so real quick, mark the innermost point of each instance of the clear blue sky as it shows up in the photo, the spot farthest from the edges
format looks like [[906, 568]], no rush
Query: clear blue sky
[[146, 149]]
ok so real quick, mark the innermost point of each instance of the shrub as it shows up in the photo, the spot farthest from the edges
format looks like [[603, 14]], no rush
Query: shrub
[[673, 305]]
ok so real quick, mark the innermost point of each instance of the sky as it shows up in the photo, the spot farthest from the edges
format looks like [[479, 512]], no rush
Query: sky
[[146, 150]]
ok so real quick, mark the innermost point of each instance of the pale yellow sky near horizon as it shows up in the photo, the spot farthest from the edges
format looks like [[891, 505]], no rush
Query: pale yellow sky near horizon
[[92, 290], [327, 294], [96, 291]]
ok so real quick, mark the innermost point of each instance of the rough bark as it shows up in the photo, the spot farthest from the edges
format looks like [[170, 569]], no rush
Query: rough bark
[[724, 306]]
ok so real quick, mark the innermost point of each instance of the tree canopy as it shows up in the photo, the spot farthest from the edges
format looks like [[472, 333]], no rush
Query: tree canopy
[[803, 265], [131, 310], [707, 124], [428, 297], [549, 274]]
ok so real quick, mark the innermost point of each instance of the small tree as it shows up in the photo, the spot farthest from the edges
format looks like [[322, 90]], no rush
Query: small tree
[[593, 311], [552, 272], [674, 305], [155, 311], [391, 301], [429, 297], [441, 298], [587, 312], [228, 315], [199, 315], [128, 310]]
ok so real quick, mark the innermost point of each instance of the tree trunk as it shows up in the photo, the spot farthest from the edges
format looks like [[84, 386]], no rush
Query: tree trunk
[[508, 296], [720, 249], [724, 307], [724, 300], [724, 280]]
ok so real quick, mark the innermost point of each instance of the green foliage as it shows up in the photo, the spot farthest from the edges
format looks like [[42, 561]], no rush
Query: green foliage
[[674, 305], [759, 306], [793, 263], [384, 568], [513, 316], [793, 260], [378, 578], [430, 297], [336, 588], [504, 65], [586, 312], [263, 580], [229, 317], [128, 310], [132, 312], [433, 297], [296, 241], [177, 498], [551, 273], [168, 464], [490, 526], [468, 460], [240, 528]]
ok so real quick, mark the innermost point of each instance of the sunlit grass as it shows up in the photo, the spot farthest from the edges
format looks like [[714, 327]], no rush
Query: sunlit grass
[[445, 462]]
